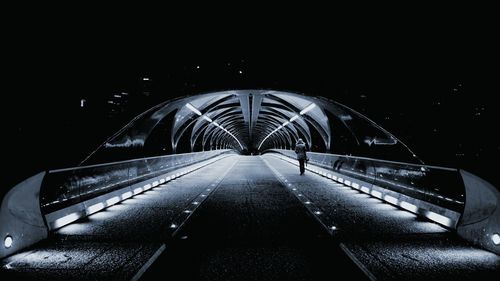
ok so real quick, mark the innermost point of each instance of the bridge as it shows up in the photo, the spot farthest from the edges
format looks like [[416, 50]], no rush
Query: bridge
[[207, 187]]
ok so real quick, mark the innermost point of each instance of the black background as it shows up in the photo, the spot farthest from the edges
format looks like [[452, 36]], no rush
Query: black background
[[434, 87]]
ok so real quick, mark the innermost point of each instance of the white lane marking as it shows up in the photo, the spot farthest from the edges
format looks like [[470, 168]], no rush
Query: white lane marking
[[182, 218], [155, 256], [151, 260], [358, 263]]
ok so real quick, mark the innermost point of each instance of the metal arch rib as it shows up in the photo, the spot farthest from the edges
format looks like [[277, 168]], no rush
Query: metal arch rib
[[301, 125], [322, 128]]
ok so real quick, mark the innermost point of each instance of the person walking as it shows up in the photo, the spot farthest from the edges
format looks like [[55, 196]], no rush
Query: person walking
[[300, 150]]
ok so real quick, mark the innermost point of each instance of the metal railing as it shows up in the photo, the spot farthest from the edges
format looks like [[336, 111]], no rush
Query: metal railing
[[65, 187], [49, 200], [451, 197], [437, 185]]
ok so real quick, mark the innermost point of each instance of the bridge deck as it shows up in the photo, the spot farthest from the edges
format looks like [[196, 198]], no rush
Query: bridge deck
[[251, 226]]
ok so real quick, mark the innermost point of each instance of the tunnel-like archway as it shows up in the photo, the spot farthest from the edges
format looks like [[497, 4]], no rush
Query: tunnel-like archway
[[181, 136], [251, 121]]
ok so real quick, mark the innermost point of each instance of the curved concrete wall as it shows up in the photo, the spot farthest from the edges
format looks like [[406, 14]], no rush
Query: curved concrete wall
[[20, 216], [481, 218]]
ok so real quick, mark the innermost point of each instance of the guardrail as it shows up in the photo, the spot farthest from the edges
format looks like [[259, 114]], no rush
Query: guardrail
[[453, 198], [52, 199]]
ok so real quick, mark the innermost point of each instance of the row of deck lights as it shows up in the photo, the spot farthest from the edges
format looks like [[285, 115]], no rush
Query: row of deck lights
[[67, 219], [495, 237]]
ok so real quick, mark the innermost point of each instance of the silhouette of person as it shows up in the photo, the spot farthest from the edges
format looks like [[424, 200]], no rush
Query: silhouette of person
[[300, 150]]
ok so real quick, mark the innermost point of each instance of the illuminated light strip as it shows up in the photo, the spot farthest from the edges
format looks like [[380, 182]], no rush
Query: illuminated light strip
[[60, 222], [390, 199], [66, 220], [365, 189], [443, 220], [112, 201], [355, 185], [162, 181], [394, 184], [439, 218], [340, 179], [346, 182], [295, 117], [265, 139], [95, 208], [193, 109], [156, 183], [377, 194], [334, 177], [126, 195], [309, 107], [408, 206]]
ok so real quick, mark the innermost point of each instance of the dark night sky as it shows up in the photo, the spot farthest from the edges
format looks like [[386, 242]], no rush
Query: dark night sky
[[433, 91]]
